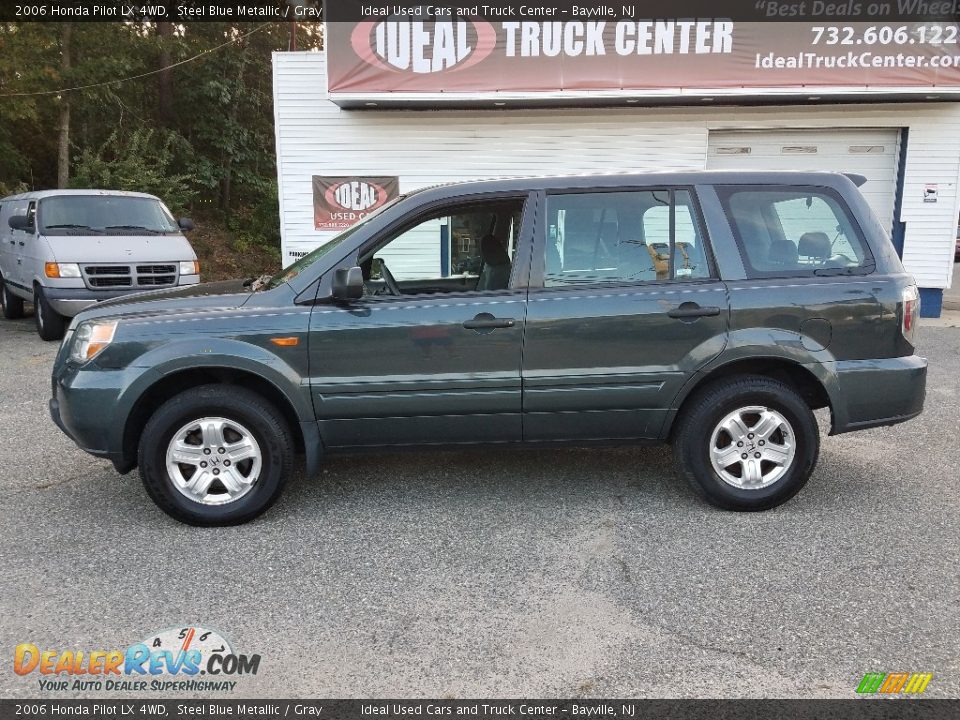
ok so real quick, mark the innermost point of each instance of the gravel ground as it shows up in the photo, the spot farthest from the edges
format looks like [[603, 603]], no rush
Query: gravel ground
[[501, 573]]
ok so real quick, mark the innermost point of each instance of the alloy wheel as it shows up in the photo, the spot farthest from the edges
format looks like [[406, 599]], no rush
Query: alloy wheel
[[214, 460], [752, 447]]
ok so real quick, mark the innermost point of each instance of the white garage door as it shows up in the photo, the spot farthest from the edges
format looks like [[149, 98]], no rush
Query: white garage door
[[872, 153]]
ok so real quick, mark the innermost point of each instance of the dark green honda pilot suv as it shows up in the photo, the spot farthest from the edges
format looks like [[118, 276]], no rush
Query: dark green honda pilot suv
[[715, 311]]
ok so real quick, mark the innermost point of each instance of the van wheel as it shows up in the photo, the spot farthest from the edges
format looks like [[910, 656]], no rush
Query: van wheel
[[12, 305], [747, 443], [215, 455], [50, 324]]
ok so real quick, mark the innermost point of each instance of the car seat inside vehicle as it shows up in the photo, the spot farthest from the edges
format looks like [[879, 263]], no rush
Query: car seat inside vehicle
[[815, 247], [495, 274]]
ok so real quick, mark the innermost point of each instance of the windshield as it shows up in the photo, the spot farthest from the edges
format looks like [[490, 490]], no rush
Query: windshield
[[104, 214], [311, 257]]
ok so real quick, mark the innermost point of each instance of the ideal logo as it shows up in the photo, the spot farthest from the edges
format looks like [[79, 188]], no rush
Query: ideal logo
[[356, 195], [423, 47]]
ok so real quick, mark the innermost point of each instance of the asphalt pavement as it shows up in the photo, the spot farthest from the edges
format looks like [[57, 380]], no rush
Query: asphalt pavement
[[492, 573]]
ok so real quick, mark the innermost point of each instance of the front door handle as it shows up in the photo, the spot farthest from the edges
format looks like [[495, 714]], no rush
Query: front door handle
[[690, 310], [487, 322]]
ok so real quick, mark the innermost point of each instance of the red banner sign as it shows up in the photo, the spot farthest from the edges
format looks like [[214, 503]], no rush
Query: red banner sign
[[536, 57], [339, 202]]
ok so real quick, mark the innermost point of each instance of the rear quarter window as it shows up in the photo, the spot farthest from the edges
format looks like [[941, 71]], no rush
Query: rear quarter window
[[795, 231]]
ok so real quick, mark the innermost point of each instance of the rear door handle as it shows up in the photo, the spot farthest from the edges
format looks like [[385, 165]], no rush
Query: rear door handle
[[486, 321], [692, 310]]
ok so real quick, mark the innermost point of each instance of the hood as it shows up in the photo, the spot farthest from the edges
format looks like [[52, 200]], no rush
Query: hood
[[223, 295], [108, 249]]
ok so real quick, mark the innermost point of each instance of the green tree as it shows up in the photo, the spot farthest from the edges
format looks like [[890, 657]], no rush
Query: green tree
[[196, 128], [144, 161]]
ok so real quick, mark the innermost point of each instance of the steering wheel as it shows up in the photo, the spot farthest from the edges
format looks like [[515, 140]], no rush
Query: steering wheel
[[389, 280]]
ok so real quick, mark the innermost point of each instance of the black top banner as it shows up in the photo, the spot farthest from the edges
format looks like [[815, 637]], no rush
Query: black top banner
[[490, 10]]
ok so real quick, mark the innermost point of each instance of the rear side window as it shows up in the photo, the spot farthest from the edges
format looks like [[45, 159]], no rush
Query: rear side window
[[623, 237], [794, 231]]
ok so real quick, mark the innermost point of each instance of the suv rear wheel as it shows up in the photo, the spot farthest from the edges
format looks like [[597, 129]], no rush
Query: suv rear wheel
[[51, 325], [215, 455], [12, 305], [747, 443]]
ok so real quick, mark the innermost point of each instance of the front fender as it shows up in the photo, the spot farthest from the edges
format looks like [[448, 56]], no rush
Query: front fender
[[193, 353], [197, 353]]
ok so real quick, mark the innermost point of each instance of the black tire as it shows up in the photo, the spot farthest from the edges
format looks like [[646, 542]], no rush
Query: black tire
[[233, 403], [51, 325], [12, 305], [704, 412]]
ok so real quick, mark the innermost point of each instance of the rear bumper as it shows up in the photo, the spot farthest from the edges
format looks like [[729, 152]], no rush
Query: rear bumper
[[873, 393]]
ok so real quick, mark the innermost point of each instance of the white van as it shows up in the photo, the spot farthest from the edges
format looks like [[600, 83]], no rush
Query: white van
[[64, 250]]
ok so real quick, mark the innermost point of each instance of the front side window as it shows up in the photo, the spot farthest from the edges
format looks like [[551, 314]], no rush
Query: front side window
[[104, 214], [794, 231], [468, 248], [313, 256], [632, 236]]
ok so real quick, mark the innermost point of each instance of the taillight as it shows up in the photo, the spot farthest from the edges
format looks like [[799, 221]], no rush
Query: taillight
[[910, 312]]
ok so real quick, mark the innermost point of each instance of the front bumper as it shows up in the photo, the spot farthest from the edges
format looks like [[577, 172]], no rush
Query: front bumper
[[874, 393], [91, 406], [71, 301]]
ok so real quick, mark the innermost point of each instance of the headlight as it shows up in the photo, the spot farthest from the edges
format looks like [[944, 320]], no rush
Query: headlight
[[61, 270], [189, 267], [91, 338]]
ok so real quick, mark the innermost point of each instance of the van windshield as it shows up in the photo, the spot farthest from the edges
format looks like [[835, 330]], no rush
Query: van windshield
[[104, 215]]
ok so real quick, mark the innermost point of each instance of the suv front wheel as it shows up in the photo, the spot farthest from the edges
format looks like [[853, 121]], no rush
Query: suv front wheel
[[215, 455], [747, 443]]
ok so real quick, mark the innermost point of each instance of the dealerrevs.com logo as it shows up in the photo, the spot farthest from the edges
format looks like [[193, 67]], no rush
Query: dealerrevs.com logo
[[423, 47], [186, 659]]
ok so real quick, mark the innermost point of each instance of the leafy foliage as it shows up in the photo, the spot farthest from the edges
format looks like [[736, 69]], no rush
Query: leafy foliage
[[145, 161], [200, 136]]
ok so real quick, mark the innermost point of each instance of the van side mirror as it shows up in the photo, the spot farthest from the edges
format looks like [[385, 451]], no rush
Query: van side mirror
[[348, 283], [185, 223], [20, 222]]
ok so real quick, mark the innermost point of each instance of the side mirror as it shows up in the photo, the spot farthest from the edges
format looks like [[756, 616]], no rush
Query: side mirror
[[20, 222], [185, 223], [348, 283]]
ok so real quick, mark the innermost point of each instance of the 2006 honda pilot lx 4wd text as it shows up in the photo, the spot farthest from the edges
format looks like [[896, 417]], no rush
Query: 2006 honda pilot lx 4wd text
[[711, 310]]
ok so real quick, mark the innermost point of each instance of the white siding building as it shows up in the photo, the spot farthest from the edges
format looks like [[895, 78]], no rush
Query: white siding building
[[908, 151]]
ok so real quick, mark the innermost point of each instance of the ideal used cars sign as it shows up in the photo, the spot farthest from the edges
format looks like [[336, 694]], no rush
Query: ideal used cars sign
[[339, 202]]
